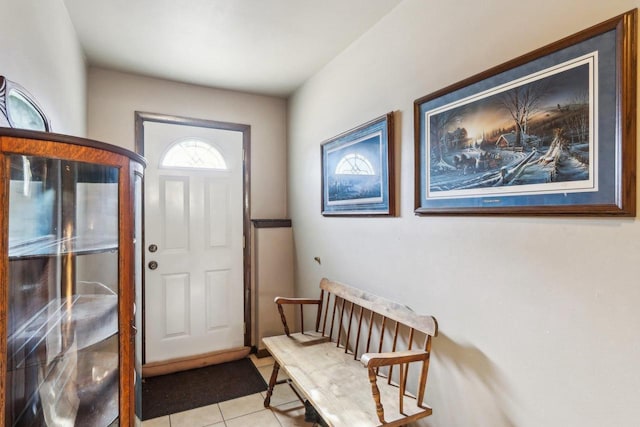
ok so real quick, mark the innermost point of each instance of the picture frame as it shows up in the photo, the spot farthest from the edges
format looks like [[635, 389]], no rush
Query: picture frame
[[552, 132], [358, 171]]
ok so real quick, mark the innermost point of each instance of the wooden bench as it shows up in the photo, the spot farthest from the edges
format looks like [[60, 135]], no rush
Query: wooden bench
[[333, 368]]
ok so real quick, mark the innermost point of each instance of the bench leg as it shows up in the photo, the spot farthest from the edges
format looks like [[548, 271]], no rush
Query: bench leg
[[272, 384]]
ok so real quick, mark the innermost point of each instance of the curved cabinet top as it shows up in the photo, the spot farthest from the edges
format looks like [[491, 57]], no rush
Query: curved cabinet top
[[68, 139]]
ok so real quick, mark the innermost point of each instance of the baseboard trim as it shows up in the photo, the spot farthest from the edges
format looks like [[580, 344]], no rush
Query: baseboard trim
[[185, 363]]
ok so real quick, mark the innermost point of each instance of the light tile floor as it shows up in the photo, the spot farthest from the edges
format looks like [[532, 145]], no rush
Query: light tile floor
[[248, 411]]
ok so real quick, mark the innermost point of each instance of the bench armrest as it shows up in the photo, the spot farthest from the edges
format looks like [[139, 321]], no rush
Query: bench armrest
[[374, 360], [283, 300], [280, 301]]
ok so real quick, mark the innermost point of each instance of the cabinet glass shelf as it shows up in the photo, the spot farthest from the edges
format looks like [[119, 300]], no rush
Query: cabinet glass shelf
[[51, 246]]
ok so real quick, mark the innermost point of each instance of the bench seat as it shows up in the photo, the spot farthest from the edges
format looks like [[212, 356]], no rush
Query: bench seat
[[337, 385]]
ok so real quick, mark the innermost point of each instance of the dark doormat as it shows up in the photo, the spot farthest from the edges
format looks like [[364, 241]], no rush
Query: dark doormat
[[167, 394]]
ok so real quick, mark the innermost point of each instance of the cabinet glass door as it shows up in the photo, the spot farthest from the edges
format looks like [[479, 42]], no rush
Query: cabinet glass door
[[62, 315], [137, 248]]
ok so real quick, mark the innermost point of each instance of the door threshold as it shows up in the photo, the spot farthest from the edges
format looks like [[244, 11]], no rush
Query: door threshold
[[191, 362]]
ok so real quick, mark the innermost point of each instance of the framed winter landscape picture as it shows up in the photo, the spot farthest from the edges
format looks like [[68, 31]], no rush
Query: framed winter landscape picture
[[357, 170], [552, 132]]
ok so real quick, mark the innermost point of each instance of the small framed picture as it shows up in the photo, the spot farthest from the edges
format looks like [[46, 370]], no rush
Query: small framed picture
[[357, 171]]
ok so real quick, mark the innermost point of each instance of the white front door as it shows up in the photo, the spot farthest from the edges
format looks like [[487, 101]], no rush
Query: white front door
[[194, 300]]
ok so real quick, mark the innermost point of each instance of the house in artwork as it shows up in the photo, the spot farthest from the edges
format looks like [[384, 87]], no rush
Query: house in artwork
[[506, 140]]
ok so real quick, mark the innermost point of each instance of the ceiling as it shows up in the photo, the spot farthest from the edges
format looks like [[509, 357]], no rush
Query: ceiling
[[260, 46]]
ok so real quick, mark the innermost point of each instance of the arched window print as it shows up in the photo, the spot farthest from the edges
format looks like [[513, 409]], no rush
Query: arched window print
[[193, 153], [354, 164], [18, 109]]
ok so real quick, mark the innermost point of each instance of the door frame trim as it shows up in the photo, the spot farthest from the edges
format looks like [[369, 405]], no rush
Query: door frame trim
[[140, 118]]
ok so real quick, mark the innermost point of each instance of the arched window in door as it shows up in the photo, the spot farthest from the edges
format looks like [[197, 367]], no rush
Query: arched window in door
[[193, 153]]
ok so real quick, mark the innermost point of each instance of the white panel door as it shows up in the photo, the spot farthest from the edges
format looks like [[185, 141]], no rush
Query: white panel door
[[194, 300]]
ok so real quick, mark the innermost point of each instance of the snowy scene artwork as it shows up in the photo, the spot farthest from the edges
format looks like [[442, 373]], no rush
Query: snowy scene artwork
[[552, 132], [357, 170], [533, 135]]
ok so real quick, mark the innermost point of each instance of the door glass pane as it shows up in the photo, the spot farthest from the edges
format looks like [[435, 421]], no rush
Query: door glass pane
[[193, 153], [62, 343]]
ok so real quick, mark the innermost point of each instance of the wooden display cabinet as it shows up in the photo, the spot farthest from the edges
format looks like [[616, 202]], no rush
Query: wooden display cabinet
[[70, 276]]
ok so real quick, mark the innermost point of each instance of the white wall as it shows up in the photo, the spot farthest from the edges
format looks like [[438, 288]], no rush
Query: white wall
[[538, 316], [114, 97], [40, 51]]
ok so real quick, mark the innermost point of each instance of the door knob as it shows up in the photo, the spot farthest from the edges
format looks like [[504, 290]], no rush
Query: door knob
[[153, 265]]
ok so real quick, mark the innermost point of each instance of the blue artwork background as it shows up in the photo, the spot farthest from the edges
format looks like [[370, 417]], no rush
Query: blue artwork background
[[355, 187]]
